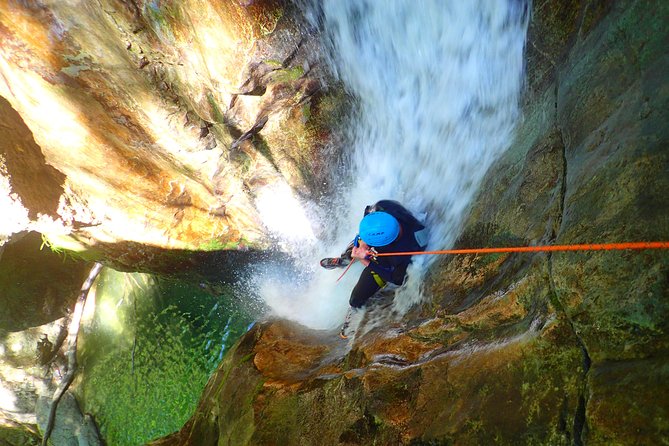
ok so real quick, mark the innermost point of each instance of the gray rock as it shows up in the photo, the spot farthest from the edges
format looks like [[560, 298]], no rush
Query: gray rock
[[71, 427]]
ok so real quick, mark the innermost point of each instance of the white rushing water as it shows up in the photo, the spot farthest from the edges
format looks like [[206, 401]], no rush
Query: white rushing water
[[437, 84]]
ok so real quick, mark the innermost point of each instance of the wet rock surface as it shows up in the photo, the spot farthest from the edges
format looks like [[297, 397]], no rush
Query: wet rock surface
[[28, 359], [73, 427], [566, 348], [30, 299], [186, 110]]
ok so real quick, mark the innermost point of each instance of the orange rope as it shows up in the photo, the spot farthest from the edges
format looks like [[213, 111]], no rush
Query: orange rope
[[546, 248], [349, 265]]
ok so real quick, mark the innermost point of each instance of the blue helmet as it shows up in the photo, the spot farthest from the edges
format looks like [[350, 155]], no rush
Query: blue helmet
[[379, 229]]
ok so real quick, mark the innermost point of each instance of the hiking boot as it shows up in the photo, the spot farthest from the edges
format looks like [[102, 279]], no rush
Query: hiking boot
[[344, 329], [334, 262], [347, 321], [342, 333]]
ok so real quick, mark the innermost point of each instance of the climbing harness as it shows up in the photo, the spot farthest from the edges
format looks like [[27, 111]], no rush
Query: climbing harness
[[379, 281], [539, 248]]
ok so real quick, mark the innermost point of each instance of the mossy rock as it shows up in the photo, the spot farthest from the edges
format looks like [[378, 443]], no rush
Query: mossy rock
[[39, 286], [19, 436]]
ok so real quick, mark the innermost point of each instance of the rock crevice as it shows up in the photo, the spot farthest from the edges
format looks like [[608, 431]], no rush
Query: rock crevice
[[517, 349]]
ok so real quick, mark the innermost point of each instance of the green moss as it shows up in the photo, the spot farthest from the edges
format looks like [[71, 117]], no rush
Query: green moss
[[69, 248], [282, 419], [50, 245], [328, 112], [274, 63], [474, 426], [268, 20], [635, 391], [442, 441], [246, 358], [217, 245], [306, 111], [19, 435], [212, 245], [216, 112], [483, 260], [245, 165], [288, 74]]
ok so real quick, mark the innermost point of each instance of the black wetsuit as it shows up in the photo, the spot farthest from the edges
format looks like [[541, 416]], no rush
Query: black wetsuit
[[392, 268]]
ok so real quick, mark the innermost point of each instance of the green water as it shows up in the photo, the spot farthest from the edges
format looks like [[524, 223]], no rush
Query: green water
[[149, 349]]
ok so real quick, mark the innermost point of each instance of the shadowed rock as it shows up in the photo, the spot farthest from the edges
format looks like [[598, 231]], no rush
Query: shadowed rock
[[567, 348]]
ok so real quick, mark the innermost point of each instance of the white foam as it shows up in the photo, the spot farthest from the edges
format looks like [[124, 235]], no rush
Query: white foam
[[437, 85], [284, 215]]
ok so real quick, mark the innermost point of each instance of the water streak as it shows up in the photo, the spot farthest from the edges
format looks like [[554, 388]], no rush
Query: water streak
[[437, 85]]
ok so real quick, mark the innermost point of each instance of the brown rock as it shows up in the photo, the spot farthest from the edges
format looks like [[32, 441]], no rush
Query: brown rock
[[513, 349]]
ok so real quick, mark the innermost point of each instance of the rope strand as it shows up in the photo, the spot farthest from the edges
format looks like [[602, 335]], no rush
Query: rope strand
[[346, 270], [544, 248]]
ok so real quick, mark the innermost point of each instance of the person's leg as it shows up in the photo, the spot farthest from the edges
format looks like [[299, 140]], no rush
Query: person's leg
[[368, 284], [365, 288], [347, 321], [346, 255], [338, 262]]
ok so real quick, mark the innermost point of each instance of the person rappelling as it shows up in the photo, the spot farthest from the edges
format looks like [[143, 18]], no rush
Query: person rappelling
[[386, 227]]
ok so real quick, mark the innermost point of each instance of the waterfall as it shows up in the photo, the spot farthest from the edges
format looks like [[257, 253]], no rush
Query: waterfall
[[437, 87]]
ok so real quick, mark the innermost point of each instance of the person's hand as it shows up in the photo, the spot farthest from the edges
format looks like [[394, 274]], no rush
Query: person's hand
[[360, 252]]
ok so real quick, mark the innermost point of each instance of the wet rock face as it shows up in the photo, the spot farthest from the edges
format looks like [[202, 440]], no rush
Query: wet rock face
[[29, 299], [38, 289], [393, 387], [39, 186], [157, 123], [568, 348]]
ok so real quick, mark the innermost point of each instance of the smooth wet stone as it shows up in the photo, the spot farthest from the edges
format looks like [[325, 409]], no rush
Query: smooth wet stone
[[568, 348]]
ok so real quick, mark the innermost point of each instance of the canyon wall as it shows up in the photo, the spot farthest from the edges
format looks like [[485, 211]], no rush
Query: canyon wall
[[562, 348]]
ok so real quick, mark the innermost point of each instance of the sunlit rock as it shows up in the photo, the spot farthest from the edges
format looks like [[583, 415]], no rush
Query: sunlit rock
[[197, 115], [156, 124], [145, 134], [24, 377], [566, 348]]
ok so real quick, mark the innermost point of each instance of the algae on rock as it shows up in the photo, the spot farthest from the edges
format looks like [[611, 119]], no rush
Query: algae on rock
[[564, 348], [133, 112]]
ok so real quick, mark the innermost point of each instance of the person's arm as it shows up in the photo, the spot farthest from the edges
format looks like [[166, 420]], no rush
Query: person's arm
[[391, 273]]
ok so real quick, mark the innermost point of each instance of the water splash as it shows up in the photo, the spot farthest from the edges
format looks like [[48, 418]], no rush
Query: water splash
[[285, 216], [437, 87]]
